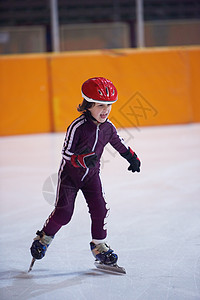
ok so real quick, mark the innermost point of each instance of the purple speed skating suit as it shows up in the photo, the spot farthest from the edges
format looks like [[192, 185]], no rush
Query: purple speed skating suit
[[83, 136]]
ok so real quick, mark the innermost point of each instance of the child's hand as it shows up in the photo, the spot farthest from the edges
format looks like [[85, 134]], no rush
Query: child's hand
[[132, 158], [87, 160], [134, 164]]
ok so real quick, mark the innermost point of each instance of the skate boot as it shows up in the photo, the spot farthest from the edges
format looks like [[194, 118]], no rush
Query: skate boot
[[40, 244], [103, 253]]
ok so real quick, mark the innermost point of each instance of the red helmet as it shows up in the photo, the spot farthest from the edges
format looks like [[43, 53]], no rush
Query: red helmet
[[99, 90]]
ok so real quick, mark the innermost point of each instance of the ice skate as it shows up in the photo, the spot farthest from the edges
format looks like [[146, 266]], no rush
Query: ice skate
[[106, 260], [103, 253], [40, 244]]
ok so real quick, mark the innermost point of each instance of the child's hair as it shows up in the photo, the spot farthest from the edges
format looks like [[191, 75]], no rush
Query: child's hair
[[84, 106]]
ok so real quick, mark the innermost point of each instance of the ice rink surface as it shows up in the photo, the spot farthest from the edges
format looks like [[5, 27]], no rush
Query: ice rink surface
[[154, 221]]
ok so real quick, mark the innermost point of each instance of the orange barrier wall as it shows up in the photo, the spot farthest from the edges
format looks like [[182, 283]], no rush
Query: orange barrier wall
[[156, 86], [194, 82], [24, 95]]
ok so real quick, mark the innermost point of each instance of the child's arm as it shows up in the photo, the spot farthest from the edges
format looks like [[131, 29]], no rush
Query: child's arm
[[72, 138], [118, 143]]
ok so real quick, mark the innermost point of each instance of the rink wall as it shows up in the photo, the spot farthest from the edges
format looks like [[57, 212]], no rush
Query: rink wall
[[157, 86]]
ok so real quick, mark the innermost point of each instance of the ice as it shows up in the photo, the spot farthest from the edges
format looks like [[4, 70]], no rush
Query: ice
[[153, 224]]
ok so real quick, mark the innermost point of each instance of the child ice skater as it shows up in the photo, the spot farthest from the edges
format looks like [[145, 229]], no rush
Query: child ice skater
[[84, 143]]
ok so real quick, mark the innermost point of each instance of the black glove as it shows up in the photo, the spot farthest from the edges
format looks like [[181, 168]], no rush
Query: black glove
[[85, 160], [132, 158]]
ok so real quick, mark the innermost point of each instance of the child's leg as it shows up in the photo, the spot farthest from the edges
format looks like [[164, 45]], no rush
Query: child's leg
[[98, 211], [93, 194], [61, 215]]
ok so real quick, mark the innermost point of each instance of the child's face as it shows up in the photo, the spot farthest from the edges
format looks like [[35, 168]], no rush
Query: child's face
[[100, 111]]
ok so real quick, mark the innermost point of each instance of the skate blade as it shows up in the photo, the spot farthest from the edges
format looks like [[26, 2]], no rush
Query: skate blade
[[110, 268], [31, 265]]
